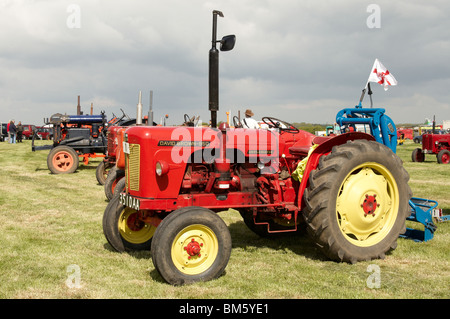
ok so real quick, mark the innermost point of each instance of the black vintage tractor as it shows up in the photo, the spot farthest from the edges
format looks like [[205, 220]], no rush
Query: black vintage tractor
[[74, 136]]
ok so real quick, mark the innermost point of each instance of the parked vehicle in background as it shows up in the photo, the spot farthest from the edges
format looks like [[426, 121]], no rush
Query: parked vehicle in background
[[44, 133], [3, 132], [407, 133], [28, 131], [418, 139]]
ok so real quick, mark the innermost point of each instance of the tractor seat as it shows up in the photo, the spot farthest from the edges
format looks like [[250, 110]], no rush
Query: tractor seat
[[299, 151], [302, 150]]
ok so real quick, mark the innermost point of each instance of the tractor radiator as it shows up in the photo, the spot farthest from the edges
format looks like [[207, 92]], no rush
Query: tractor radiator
[[133, 167]]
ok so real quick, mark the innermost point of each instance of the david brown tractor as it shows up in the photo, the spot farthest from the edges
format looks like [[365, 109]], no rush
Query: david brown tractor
[[350, 191]]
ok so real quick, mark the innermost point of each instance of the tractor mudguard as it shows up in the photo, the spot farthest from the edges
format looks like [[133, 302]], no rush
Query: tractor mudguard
[[324, 148]]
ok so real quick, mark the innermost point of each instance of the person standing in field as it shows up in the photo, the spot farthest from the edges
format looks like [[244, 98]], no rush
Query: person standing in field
[[12, 133], [7, 130], [19, 132]]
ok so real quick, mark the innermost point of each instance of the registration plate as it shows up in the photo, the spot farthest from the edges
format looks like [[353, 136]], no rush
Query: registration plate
[[129, 201]]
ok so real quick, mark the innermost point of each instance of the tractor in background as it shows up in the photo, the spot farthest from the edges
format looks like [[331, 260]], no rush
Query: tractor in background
[[74, 136], [438, 144], [116, 158], [350, 191], [109, 160], [112, 167]]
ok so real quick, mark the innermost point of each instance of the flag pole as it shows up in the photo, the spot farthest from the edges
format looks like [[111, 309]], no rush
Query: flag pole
[[370, 94]]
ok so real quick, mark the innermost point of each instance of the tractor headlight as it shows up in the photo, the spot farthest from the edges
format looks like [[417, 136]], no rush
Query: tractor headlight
[[161, 168]]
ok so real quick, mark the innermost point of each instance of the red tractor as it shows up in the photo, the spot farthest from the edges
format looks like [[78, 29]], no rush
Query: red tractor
[[111, 170], [438, 144], [349, 191]]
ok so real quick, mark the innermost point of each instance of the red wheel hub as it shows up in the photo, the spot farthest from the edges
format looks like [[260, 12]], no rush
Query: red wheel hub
[[370, 205], [134, 223], [193, 248]]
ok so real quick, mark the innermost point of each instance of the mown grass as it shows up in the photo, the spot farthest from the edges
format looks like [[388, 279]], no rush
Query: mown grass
[[50, 222]]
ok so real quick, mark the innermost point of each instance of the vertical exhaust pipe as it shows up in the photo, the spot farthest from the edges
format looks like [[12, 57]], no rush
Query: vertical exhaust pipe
[[139, 110], [78, 106], [226, 44], [214, 72], [150, 111]]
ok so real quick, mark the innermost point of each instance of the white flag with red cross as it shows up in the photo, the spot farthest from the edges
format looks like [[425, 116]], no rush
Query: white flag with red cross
[[381, 75]]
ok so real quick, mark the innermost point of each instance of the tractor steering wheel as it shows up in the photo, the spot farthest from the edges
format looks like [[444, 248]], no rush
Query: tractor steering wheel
[[276, 123], [188, 121], [236, 122]]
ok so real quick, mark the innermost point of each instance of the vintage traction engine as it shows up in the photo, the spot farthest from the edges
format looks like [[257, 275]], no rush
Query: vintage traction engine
[[350, 191]]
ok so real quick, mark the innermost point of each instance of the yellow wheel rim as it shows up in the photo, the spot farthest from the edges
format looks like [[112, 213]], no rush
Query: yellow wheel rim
[[132, 229], [367, 204], [194, 249]]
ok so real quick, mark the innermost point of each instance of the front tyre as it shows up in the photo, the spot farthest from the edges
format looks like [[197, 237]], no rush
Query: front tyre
[[62, 160], [443, 157], [357, 201], [114, 176], [191, 245], [123, 230], [102, 172]]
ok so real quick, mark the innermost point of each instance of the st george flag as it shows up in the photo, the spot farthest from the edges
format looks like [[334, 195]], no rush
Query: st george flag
[[381, 75]]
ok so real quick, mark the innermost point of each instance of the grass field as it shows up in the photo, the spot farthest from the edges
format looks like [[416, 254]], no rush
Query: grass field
[[52, 246]]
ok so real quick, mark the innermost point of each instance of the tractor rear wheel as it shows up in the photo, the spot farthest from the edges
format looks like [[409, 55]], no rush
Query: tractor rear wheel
[[357, 201], [191, 244], [443, 157], [418, 155], [62, 160], [123, 230]]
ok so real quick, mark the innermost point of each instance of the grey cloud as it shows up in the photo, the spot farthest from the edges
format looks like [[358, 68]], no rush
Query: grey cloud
[[302, 60]]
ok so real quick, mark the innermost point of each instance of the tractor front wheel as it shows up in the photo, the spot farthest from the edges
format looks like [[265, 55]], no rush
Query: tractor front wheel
[[123, 229], [102, 172], [62, 160], [114, 176], [191, 244], [357, 201]]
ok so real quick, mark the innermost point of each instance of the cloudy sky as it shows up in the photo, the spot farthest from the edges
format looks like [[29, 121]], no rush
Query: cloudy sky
[[297, 60]]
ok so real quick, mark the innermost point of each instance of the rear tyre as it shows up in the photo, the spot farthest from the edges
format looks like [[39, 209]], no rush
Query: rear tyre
[[443, 157], [62, 160], [191, 245], [123, 230], [357, 201], [418, 155]]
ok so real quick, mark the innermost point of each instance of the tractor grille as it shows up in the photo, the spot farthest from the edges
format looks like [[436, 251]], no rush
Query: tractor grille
[[133, 167]]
